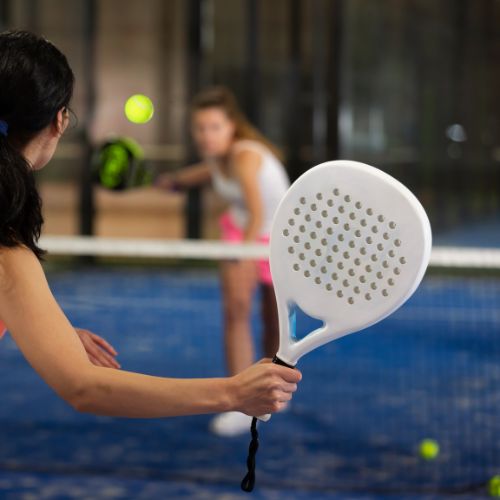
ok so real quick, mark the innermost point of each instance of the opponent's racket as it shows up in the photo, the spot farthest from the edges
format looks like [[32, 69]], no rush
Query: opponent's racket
[[349, 245]]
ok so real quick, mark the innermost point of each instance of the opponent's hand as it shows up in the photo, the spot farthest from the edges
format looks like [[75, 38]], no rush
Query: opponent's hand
[[166, 181], [99, 352], [264, 388]]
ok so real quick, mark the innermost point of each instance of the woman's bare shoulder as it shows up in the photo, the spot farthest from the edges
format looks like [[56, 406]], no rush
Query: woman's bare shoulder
[[16, 263]]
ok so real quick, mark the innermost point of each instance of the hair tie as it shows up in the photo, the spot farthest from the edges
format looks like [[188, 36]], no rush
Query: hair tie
[[4, 127]]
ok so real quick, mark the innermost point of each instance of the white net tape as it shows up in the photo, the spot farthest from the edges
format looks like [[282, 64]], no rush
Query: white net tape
[[463, 257]]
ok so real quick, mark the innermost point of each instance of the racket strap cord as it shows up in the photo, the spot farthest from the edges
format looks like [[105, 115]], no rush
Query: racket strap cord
[[249, 480]]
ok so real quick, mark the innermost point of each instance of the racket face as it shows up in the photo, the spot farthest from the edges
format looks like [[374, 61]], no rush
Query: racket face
[[349, 245]]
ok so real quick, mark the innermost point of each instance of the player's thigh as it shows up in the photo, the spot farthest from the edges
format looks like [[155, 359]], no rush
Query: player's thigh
[[239, 280]]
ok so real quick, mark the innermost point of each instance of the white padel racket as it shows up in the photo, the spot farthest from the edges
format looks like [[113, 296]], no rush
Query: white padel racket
[[349, 245]]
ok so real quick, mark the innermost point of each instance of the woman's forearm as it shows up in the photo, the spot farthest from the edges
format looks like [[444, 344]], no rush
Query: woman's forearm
[[117, 393], [252, 229]]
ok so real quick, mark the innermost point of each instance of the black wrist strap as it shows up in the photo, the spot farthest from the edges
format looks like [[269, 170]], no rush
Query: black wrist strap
[[249, 480]]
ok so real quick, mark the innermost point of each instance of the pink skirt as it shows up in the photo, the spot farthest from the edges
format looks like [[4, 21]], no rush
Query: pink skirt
[[230, 232]]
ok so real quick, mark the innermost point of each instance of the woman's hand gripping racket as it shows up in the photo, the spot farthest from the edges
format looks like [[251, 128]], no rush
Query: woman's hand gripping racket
[[349, 245]]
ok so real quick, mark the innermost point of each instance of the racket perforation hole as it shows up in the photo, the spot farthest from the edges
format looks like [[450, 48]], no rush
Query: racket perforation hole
[[345, 283], [347, 227], [302, 229], [392, 253], [402, 260], [351, 272], [302, 200], [340, 265], [291, 250], [369, 211], [286, 232], [324, 269], [329, 287], [341, 237], [390, 281], [362, 279], [347, 198], [352, 216], [368, 296], [356, 289], [312, 262], [335, 220], [341, 209], [307, 218], [313, 235], [374, 257], [368, 268], [358, 205], [346, 255], [385, 264], [329, 231], [330, 203], [302, 256], [392, 225], [336, 192], [374, 229], [385, 236], [357, 261], [385, 293], [318, 224], [373, 286], [307, 245], [397, 243], [335, 276], [380, 218], [317, 280], [307, 274], [314, 207], [352, 244], [363, 222], [380, 247], [296, 239], [291, 222], [397, 271], [362, 251], [324, 213], [357, 233], [350, 300], [296, 211], [318, 252], [324, 242], [329, 259], [340, 294], [296, 267], [319, 196], [380, 275], [369, 240], [335, 248]]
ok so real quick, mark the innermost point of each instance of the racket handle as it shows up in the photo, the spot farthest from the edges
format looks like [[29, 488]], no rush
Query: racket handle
[[278, 361]]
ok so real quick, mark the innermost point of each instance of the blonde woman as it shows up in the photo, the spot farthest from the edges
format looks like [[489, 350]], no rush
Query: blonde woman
[[245, 170]]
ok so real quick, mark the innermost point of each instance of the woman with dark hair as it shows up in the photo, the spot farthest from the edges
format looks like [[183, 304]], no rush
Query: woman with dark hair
[[36, 84], [246, 171]]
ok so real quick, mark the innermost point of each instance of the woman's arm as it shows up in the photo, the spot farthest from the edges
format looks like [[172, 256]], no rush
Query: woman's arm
[[246, 166], [51, 346], [185, 178]]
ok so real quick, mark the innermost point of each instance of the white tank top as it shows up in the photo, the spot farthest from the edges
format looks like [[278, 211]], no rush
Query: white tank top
[[273, 184]]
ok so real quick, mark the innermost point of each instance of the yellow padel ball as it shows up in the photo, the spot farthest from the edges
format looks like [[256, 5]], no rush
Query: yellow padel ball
[[139, 108]]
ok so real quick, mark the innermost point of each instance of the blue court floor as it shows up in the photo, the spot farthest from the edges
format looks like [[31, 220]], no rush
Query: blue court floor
[[432, 370]]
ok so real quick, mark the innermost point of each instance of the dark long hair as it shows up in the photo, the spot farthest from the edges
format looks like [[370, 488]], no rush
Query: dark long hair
[[36, 82]]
